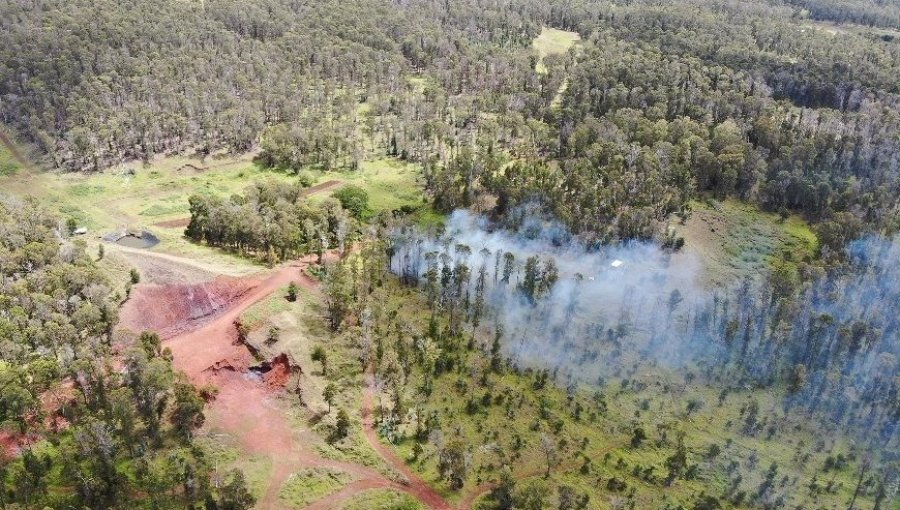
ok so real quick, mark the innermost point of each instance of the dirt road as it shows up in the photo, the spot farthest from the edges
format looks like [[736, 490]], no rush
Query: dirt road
[[417, 486], [11, 147], [247, 410]]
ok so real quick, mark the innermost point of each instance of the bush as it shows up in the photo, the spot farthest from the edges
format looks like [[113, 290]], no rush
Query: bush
[[354, 199]]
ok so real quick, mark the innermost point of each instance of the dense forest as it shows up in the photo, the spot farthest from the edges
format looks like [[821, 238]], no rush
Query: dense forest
[[495, 349], [659, 104], [274, 223], [825, 336]]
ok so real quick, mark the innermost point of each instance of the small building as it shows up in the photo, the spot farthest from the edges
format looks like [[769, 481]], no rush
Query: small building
[[616, 264]]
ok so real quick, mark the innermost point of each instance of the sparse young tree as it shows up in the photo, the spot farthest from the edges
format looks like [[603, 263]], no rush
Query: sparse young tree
[[320, 356], [328, 394]]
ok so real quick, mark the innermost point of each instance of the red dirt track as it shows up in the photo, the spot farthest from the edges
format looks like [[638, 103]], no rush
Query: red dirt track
[[197, 324]]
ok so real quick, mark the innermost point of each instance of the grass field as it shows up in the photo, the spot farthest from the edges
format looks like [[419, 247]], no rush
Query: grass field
[[308, 485], [552, 41], [8, 165], [734, 239], [138, 196], [382, 499]]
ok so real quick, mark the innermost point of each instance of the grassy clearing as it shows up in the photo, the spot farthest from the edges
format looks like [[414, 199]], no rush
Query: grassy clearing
[[137, 196], [308, 485], [552, 41], [391, 184], [224, 456], [8, 164], [383, 499], [734, 239]]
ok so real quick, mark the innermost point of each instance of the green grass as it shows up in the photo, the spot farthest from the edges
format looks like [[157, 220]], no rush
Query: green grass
[[308, 485], [8, 165], [383, 499], [654, 398], [733, 239], [391, 184], [552, 41], [137, 196], [224, 456]]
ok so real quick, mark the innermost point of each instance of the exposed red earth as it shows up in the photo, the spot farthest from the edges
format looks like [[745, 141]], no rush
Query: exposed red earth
[[53, 404], [173, 309], [197, 324], [176, 223]]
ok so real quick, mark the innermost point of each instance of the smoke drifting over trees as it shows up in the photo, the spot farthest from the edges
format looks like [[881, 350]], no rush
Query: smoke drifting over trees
[[591, 313]]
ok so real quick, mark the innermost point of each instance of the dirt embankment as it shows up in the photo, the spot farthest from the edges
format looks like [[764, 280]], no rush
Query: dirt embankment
[[11, 147], [200, 321], [173, 309], [176, 223]]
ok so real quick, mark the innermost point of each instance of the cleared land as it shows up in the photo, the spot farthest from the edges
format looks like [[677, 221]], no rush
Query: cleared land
[[155, 196], [552, 41], [734, 240]]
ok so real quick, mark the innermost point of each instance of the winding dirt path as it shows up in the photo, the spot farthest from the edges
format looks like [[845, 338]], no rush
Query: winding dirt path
[[13, 149], [247, 410], [417, 486]]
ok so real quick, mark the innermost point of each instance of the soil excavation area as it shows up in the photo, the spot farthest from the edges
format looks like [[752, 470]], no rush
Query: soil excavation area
[[196, 322]]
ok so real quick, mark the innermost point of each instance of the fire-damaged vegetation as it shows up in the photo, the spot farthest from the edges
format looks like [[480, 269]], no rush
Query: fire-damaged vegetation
[[81, 426], [515, 371]]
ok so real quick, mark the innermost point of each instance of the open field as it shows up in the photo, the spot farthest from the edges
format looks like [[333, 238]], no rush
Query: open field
[[8, 164], [734, 239], [381, 499], [838, 29], [552, 41], [155, 197]]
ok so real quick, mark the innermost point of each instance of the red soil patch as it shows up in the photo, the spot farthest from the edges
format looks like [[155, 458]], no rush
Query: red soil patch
[[209, 352], [176, 223], [173, 309], [279, 372], [53, 404], [274, 374], [325, 186]]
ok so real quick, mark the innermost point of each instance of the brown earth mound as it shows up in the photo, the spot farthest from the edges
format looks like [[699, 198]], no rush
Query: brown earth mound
[[176, 223], [173, 309], [274, 375], [325, 186]]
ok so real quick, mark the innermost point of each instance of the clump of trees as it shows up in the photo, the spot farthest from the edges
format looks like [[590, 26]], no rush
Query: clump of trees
[[270, 221]]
